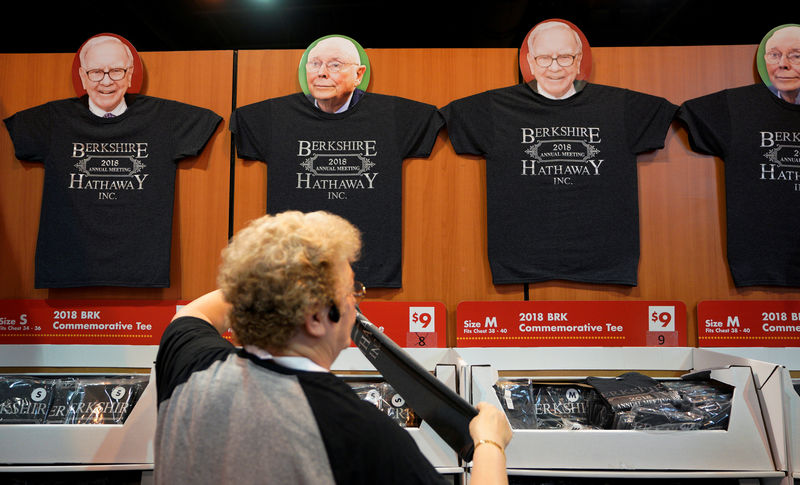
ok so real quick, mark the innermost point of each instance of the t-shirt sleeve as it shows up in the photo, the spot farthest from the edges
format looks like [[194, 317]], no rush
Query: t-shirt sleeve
[[418, 124], [468, 121], [707, 121], [647, 119], [188, 345], [251, 141], [30, 132], [193, 126]]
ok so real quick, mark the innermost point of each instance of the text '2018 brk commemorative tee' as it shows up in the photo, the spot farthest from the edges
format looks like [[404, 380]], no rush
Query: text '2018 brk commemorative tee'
[[109, 185], [346, 163], [561, 184]]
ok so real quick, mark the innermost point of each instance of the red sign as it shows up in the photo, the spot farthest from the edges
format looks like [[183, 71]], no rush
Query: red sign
[[86, 322], [749, 323], [409, 324], [571, 324]]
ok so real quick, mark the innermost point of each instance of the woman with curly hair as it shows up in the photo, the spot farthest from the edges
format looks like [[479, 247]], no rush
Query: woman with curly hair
[[272, 412]]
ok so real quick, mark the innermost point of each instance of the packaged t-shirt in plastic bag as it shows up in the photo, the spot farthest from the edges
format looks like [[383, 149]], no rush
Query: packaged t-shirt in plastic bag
[[24, 399]]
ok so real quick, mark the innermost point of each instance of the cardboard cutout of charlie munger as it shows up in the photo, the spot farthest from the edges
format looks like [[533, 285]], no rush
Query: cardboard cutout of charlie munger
[[754, 130], [109, 160], [782, 63], [554, 57], [336, 147], [333, 73]]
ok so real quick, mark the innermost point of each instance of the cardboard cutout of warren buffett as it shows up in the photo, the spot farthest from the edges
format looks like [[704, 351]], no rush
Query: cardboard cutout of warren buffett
[[109, 160], [106, 72], [560, 166], [555, 59]]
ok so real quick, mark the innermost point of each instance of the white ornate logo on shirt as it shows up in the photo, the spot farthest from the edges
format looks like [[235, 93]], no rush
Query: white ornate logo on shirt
[[336, 166], [783, 156], [108, 167], [561, 152]]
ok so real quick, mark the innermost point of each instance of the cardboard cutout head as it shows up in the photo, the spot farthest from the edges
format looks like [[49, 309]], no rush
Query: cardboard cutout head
[[332, 67], [555, 53], [778, 61], [106, 54]]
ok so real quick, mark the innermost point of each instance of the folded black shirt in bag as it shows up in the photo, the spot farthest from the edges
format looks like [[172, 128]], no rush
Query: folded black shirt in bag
[[104, 400], [24, 399], [515, 395], [624, 393], [563, 406]]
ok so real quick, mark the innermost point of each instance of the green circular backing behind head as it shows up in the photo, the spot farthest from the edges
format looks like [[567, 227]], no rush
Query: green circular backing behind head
[[762, 49], [301, 69]]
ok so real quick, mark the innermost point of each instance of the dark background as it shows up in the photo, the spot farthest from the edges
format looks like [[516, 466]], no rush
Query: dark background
[[62, 26]]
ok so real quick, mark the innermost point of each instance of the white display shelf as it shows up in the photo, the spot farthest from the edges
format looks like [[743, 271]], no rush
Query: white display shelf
[[81, 447], [762, 440], [352, 360], [789, 359], [747, 449], [55, 447], [141, 356], [792, 400]]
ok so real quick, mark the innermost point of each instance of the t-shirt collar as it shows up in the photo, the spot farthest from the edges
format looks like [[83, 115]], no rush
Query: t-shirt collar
[[566, 95], [97, 111], [777, 93], [292, 362], [344, 107]]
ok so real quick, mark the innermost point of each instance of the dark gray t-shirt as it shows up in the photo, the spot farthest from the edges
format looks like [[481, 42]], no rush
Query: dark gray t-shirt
[[757, 136], [346, 163], [561, 184], [109, 184]]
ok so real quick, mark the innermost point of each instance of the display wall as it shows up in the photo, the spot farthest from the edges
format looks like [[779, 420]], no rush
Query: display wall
[[681, 193]]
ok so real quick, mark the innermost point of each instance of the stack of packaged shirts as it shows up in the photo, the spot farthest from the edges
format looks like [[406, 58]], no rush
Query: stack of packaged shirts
[[629, 401], [68, 399]]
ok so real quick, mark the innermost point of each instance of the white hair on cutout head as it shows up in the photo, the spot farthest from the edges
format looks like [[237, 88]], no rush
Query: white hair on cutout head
[[790, 30], [546, 26], [102, 39], [350, 49]]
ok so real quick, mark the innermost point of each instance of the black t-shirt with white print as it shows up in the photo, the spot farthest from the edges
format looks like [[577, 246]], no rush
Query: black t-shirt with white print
[[562, 198], [109, 184], [346, 163], [757, 136]]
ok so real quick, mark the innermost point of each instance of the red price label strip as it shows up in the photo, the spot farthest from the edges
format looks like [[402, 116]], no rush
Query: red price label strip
[[748, 323], [84, 322], [571, 323]]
